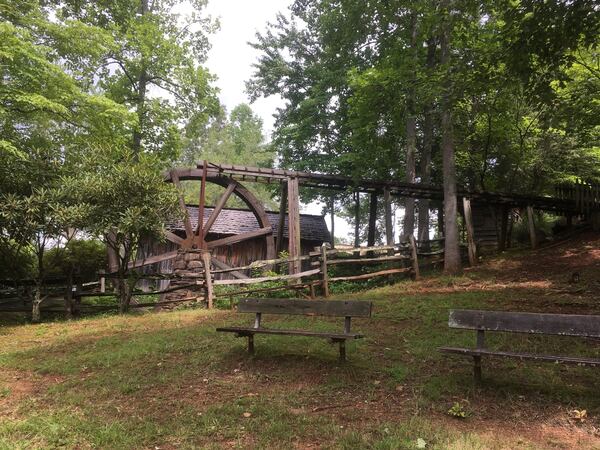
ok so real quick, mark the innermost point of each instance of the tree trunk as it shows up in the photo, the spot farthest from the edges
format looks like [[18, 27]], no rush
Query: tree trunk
[[69, 310], [426, 154], [408, 228], [36, 314], [332, 219], [125, 293], [452, 264], [141, 96]]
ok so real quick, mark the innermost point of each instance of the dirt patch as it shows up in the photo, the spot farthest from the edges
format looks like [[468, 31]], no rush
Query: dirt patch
[[16, 386]]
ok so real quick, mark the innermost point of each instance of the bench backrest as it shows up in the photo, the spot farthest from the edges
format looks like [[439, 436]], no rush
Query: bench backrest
[[336, 308], [517, 322]]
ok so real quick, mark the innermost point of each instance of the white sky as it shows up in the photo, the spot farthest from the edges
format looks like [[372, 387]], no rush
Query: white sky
[[231, 59]]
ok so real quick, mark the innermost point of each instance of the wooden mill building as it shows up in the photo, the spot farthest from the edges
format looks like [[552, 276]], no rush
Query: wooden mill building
[[231, 222]]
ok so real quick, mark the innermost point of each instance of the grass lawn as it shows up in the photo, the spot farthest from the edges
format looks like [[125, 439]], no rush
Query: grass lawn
[[168, 380]]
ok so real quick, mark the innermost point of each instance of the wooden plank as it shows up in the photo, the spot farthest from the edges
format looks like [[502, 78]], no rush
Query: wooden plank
[[292, 276], [470, 231], [244, 331], [367, 276], [239, 238], [518, 322], [153, 259], [172, 237], [333, 308], [282, 210], [523, 356], [226, 268], [375, 260], [218, 207]]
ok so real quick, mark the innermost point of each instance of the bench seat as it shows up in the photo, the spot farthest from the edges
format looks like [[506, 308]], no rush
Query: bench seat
[[573, 325], [244, 331], [331, 308], [544, 358]]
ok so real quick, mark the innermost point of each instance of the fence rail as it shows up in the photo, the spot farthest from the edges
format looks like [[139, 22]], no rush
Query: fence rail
[[385, 260]]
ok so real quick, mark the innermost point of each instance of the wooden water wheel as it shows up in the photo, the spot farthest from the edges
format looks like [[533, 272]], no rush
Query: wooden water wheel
[[196, 238]]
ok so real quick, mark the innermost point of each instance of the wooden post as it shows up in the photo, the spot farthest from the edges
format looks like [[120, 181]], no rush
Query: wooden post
[[440, 220], [414, 256], [207, 279], [294, 225], [102, 281], [332, 219], [372, 221], [532, 234], [282, 210], [470, 231], [477, 358], [324, 275], [389, 227], [199, 239], [504, 211], [356, 219]]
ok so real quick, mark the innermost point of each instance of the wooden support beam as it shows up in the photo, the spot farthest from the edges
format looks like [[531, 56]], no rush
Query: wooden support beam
[[531, 223], [218, 207], [332, 220], [172, 237], [372, 219], [470, 231], [504, 212], [282, 211], [208, 283], [356, 219], [389, 226], [199, 238], [294, 224], [324, 274], [189, 232], [414, 257], [239, 238]]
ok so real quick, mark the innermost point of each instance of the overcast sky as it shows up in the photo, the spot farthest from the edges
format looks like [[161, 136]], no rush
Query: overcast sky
[[231, 59]]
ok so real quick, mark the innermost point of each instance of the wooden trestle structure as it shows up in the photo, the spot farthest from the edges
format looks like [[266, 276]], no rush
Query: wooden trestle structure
[[581, 199], [231, 177]]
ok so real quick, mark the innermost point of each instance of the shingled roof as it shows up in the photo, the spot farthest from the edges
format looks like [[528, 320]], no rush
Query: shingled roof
[[233, 221]]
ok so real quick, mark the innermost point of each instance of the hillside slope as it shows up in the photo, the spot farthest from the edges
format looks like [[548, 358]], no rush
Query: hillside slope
[[168, 380]]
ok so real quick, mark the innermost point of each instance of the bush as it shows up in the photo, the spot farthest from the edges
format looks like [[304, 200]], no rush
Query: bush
[[15, 263], [84, 257]]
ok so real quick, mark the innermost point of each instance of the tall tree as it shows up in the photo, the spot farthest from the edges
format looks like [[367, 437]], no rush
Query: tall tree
[[154, 67]]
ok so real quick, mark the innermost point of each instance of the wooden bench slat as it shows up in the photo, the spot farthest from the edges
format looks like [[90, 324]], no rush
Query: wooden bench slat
[[244, 331], [334, 308], [536, 357], [517, 322]]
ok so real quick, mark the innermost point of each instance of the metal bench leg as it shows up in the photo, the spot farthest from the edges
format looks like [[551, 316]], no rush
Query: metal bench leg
[[251, 344], [477, 369], [343, 350]]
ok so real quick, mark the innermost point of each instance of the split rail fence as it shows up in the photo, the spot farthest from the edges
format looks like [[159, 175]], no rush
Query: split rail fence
[[319, 269]]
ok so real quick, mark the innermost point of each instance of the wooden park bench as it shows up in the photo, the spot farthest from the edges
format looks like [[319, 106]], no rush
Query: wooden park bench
[[583, 326], [332, 308]]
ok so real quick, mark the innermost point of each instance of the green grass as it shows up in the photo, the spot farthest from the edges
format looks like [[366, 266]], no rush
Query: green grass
[[169, 380]]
